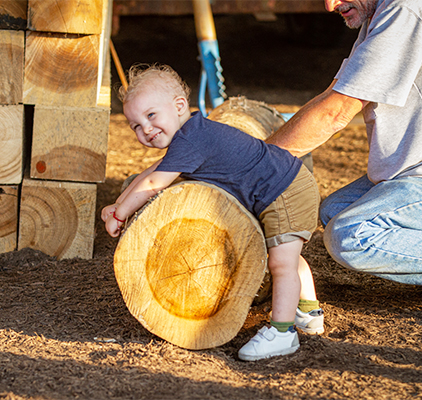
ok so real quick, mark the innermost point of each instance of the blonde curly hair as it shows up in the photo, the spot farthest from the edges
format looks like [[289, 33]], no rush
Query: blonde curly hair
[[163, 75]]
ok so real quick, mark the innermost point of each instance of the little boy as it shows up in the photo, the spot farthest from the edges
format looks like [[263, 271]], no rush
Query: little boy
[[267, 180]]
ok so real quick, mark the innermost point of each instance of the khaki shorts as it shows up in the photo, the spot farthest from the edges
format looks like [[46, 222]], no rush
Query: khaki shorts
[[294, 214]]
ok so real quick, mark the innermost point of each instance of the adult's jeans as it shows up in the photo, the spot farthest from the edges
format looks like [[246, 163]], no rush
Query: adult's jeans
[[377, 228]]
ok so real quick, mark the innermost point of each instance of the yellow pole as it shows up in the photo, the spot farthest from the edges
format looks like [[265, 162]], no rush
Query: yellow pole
[[204, 21], [119, 68]]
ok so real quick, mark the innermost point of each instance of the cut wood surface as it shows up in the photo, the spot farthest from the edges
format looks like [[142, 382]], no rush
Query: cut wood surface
[[62, 70], [13, 14], [12, 50], [66, 16], [11, 143], [70, 143], [8, 218], [190, 263], [57, 218]]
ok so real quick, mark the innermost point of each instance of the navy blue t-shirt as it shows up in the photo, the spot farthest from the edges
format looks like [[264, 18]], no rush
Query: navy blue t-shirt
[[255, 172]]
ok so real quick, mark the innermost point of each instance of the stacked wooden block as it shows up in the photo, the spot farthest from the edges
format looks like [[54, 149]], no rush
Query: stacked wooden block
[[54, 120]]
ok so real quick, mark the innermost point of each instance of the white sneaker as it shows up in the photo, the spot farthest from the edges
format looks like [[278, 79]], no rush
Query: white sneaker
[[269, 342], [311, 322]]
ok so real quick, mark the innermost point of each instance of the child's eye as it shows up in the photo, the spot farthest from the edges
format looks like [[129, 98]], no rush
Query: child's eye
[[150, 115]]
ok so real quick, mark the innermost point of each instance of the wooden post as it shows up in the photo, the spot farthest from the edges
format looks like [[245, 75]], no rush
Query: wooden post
[[66, 16], [58, 218], [54, 89], [61, 70], [8, 217], [13, 14], [11, 66], [64, 69], [11, 143], [70, 143]]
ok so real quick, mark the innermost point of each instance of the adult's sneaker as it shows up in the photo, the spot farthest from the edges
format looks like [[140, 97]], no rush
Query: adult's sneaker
[[311, 322], [269, 342]]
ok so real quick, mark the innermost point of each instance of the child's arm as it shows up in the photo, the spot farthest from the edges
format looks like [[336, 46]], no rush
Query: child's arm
[[140, 192], [106, 211], [139, 178]]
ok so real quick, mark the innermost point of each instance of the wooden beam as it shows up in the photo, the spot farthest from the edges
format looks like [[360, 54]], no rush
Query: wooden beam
[[8, 218], [62, 70], [11, 143], [12, 50], [70, 143], [66, 16], [181, 7], [104, 76], [58, 218], [13, 14], [104, 96]]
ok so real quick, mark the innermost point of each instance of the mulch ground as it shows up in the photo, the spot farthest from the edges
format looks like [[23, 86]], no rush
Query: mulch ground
[[65, 332]]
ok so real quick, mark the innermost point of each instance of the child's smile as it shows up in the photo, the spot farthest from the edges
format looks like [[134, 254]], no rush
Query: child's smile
[[154, 116]]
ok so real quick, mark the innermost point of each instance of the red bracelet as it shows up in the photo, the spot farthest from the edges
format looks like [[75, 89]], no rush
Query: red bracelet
[[114, 216]]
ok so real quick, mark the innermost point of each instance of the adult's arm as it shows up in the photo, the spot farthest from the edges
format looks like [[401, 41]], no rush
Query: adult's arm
[[317, 121]]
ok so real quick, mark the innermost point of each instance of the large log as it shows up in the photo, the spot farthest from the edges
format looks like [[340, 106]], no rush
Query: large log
[[256, 118], [8, 218], [12, 50], [189, 265], [57, 218], [66, 16], [11, 143], [259, 120], [13, 14]]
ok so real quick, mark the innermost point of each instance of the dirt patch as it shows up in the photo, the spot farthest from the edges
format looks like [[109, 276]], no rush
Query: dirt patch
[[66, 333]]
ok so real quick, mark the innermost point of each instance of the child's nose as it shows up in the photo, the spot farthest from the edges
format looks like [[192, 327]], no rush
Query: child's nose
[[148, 128]]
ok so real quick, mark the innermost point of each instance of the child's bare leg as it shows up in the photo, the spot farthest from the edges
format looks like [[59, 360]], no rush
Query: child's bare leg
[[280, 338], [309, 316], [283, 263], [307, 291], [287, 268]]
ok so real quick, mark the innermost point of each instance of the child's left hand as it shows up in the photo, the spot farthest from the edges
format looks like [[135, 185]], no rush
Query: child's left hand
[[113, 226], [107, 211]]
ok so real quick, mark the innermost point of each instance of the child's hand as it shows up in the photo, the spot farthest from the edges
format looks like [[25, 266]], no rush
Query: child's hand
[[109, 210], [113, 226]]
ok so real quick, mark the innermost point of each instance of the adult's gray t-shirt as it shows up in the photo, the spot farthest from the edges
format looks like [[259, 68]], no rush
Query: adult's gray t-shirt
[[385, 68]]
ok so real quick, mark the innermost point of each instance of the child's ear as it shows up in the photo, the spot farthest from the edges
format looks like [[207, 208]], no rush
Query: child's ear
[[181, 104]]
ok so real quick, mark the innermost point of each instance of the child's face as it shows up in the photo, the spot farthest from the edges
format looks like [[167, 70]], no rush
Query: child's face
[[154, 115]]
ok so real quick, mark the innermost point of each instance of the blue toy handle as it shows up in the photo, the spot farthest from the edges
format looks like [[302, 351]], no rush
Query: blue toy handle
[[211, 75]]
